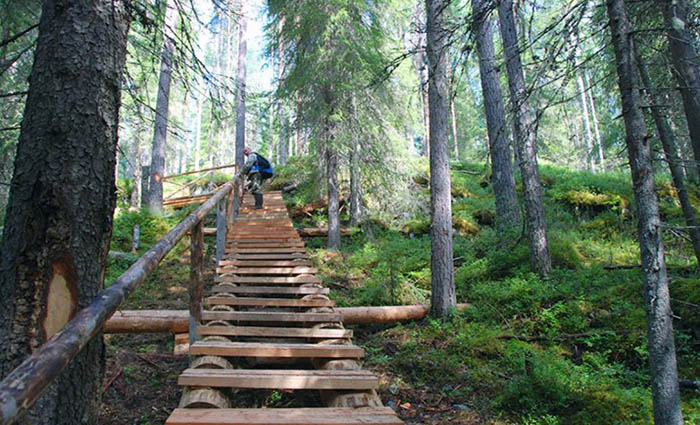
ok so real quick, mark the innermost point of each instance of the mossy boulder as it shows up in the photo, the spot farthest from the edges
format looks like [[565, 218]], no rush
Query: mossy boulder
[[416, 227], [465, 226]]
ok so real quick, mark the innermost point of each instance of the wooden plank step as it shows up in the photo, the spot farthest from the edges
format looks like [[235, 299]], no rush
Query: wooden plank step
[[280, 379], [271, 235], [263, 263], [265, 280], [269, 290], [270, 316], [264, 240], [284, 256], [270, 302], [265, 331], [276, 350], [264, 250], [303, 416], [288, 244], [269, 270]]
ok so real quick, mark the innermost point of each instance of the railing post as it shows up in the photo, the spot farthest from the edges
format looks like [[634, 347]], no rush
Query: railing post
[[220, 230], [196, 280]]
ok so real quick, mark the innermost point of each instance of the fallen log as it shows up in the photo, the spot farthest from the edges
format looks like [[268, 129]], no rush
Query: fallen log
[[321, 231], [177, 321]]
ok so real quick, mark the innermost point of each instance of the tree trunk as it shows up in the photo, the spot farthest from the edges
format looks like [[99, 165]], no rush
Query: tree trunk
[[333, 196], [596, 123], [503, 181], [668, 143], [198, 131], [59, 215], [686, 67], [355, 175], [419, 65], [154, 201], [443, 296], [588, 135], [135, 200], [300, 128], [271, 130], [241, 83], [662, 354], [281, 116], [540, 260]]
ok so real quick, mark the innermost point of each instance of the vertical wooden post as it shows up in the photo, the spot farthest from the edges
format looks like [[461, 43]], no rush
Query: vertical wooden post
[[229, 211], [196, 280], [220, 229]]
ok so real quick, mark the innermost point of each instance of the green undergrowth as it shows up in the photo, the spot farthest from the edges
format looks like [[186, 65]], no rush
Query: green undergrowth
[[570, 349], [165, 287]]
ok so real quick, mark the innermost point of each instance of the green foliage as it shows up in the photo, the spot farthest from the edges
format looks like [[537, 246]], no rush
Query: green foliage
[[152, 227]]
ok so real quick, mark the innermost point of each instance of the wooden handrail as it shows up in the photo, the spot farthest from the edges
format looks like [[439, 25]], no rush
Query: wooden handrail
[[20, 389], [187, 173]]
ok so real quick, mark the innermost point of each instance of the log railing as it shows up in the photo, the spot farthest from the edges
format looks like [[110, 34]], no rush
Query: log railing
[[20, 389]]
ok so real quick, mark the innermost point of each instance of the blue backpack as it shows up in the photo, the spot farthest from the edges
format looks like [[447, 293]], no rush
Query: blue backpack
[[263, 166]]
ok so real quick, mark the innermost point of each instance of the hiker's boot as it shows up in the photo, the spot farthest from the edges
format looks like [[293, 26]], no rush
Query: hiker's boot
[[258, 201]]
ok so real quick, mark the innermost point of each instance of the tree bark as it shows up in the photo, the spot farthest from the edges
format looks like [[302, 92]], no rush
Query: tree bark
[[670, 148], [588, 134], [333, 196], [540, 260], [686, 66], [503, 180], [62, 197], [443, 296], [596, 123], [355, 175], [241, 83], [281, 116], [154, 201], [662, 354]]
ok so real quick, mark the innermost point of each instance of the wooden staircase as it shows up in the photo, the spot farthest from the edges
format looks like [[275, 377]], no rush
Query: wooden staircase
[[269, 325]]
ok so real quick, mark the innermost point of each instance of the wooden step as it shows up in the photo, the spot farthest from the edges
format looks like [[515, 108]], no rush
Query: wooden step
[[279, 379], [276, 350], [292, 244], [270, 316], [269, 290], [270, 302], [264, 331], [264, 263], [253, 280], [269, 270], [244, 250], [303, 416], [287, 256]]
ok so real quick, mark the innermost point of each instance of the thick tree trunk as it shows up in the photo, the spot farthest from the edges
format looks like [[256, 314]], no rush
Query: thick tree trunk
[[503, 181], [540, 260], [59, 215], [154, 201], [686, 66], [333, 198], [662, 354], [443, 296], [668, 142], [588, 134]]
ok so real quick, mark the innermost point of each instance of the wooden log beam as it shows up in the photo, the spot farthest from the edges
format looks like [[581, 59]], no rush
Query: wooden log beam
[[200, 171], [175, 321]]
